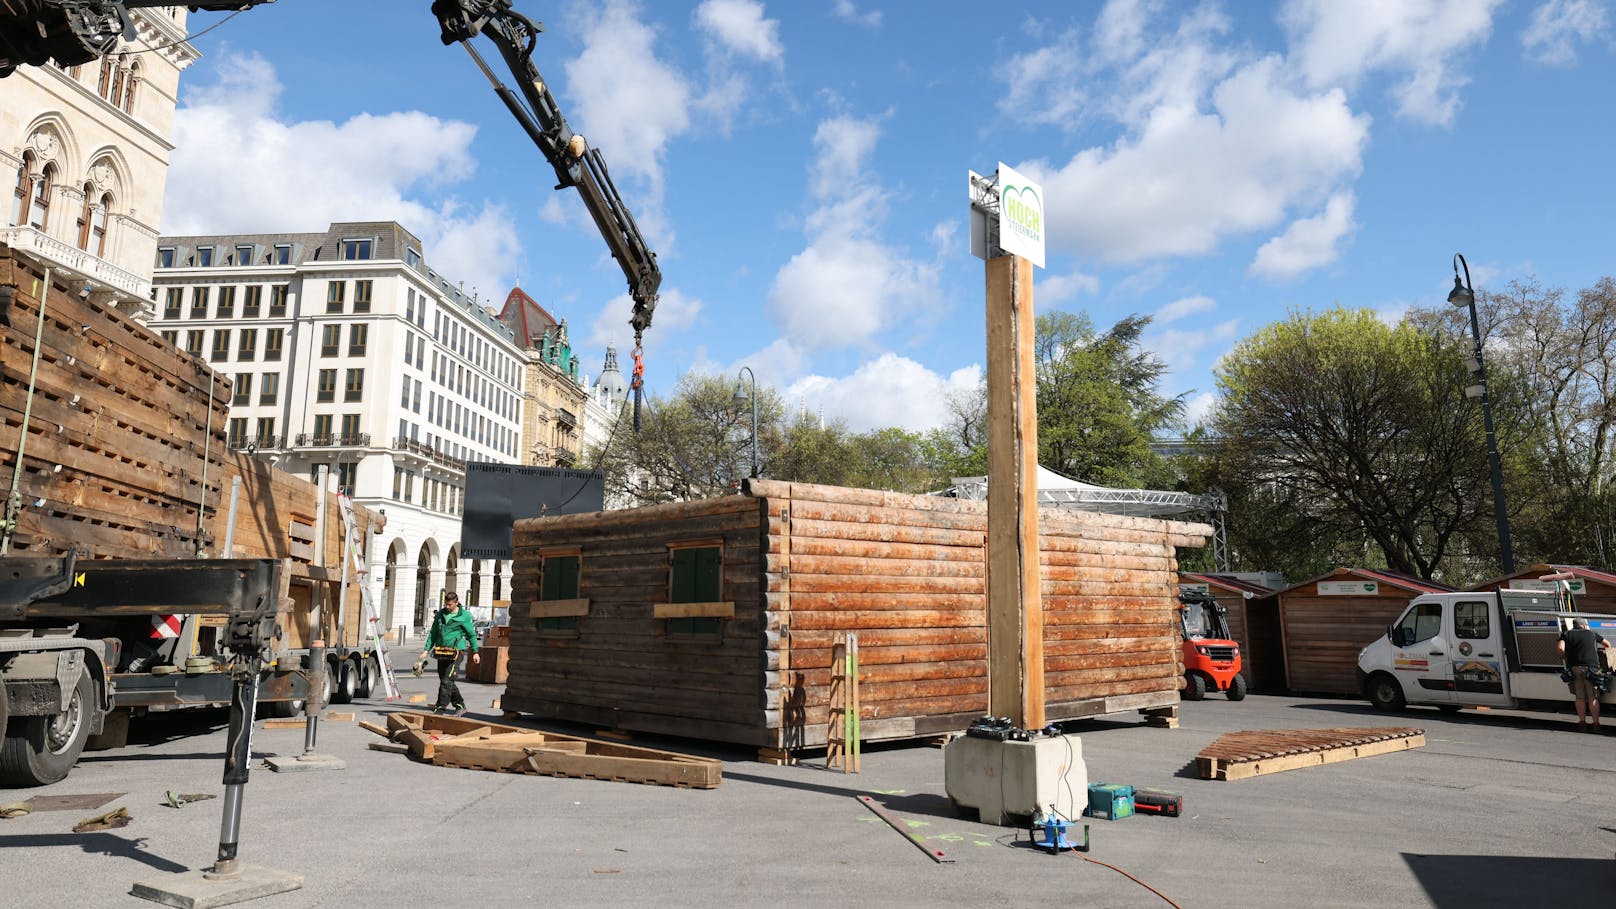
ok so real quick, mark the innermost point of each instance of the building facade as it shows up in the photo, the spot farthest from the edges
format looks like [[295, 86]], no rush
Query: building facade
[[605, 416], [553, 393], [346, 350], [88, 149]]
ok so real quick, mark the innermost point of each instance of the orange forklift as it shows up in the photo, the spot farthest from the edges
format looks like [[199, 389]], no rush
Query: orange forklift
[[1211, 657]]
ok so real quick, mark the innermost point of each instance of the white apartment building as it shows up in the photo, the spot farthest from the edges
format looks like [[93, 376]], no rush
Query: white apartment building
[[88, 149], [345, 349]]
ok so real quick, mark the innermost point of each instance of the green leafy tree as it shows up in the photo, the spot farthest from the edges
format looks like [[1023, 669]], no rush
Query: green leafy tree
[[694, 444], [1340, 429]]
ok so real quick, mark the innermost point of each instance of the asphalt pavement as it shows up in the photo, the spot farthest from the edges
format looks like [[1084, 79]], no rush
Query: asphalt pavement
[[1498, 809]]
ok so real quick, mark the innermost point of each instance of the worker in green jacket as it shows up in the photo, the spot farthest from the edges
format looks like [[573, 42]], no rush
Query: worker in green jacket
[[452, 634]]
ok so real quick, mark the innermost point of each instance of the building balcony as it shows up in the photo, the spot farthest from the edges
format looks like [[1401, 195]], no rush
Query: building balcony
[[352, 440], [87, 265], [256, 443], [565, 458], [566, 418]]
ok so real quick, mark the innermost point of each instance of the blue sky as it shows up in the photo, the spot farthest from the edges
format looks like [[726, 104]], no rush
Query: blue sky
[[801, 167]]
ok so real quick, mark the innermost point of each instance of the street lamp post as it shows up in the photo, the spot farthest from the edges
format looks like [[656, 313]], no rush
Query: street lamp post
[[741, 395], [1465, 295]]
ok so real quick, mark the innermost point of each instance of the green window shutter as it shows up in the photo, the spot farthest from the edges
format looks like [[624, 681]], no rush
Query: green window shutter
[[708, 571], [683, 588], [560, 578]]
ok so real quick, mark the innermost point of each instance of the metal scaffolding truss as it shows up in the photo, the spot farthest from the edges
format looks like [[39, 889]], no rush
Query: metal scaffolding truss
[[1209, 507]]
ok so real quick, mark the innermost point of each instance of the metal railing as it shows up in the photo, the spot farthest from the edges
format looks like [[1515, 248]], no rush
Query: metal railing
[[351, 440], [71, 257]]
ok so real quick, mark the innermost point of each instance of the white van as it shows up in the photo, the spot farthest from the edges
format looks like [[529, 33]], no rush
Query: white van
[[1454, 650]]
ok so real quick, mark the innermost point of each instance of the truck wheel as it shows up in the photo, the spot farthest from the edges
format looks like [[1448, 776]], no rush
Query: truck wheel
[[1386, 694], [341, 673], [41, 749], [370, 677], [1194, 686], [1237, 688], [284, 710]]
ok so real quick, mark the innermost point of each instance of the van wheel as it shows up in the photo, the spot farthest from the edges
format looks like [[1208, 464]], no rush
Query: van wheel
[[38, 750], [1386, 694], [1194, 686], [1237, 688]]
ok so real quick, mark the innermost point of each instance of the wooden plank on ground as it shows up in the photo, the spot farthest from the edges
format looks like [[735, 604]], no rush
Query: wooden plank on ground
[[1242, 755]]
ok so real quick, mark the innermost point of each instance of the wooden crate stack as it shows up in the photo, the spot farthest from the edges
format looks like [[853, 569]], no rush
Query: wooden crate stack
[[123, 427]]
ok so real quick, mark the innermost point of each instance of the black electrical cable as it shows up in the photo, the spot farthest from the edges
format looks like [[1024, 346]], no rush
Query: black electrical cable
[[149, 49]]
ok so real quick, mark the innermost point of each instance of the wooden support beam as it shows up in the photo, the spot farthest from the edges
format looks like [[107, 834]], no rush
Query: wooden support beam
[[1015, 609]]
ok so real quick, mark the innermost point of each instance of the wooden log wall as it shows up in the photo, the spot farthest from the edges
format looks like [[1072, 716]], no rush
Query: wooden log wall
[[907, 573], [121, 425], [805, 563], [621, 669]]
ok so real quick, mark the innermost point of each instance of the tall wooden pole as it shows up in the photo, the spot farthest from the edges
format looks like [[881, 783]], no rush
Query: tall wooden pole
[[1015, 603]]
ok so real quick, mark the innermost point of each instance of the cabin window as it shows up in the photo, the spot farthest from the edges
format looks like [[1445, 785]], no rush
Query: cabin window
[[1471, 620], [559, 581], [1422, 623], [695, 591]]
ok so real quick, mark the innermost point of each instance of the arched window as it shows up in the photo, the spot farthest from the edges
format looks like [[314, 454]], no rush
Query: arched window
[[131, 83], [104, 86], [93, 220], [25, 190], [98, 226], [118, 78], [39, 207]]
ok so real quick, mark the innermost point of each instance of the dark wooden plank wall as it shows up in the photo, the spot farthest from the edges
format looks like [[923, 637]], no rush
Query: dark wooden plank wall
[[621, 669], [121, 424]]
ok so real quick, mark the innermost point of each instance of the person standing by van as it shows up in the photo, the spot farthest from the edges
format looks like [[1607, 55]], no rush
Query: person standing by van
[[1580, 647]]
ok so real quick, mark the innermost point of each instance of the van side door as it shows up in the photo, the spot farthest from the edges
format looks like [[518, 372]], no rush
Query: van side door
[[1477, 654], [1420, 653]]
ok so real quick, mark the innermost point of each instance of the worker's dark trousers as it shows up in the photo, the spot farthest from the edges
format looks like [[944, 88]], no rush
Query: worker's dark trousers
[[448, 693]]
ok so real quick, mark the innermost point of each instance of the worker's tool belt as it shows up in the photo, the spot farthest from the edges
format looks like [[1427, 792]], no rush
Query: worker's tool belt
[[446, 653]]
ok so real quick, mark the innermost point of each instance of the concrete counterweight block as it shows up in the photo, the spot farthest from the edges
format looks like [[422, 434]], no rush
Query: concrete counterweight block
[[1005, 780]]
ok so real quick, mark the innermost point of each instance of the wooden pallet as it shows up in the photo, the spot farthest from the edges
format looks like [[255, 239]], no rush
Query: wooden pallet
[[1241, 755], [476, 745]]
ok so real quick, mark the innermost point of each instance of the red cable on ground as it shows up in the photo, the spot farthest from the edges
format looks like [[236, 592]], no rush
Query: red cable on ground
[[1129, 877]]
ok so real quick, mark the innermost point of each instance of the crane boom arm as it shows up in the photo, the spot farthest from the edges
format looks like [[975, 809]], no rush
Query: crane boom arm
[[576, 164]]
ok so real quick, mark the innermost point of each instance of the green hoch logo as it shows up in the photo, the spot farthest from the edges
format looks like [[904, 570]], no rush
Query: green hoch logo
[[1023, 211]]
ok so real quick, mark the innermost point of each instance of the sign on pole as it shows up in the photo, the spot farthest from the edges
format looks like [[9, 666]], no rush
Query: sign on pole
[[1007, 216]]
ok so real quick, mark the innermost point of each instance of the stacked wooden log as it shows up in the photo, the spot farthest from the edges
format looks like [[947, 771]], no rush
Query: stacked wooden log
[[122, 427], [804, 563], [126, 445]]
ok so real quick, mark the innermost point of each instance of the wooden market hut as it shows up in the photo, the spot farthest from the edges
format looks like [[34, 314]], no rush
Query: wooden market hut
[[1326, 621], [1592, 590], [1253, 614], [716, 619]]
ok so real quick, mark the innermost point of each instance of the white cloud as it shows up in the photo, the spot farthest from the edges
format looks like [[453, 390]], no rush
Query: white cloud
[[234, 151], [1308, 243], [1046, 84], [1190, 177], [1199, 408], [847, 12], [847, 284], [740, 27], [1177, 346], [1423, 41], [890, 390], [1559, 25], [1053, 290], [630, 104], [676, 311], [1187, 306]]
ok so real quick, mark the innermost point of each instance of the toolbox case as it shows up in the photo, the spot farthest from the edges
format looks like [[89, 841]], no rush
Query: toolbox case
[[1111, 801]]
